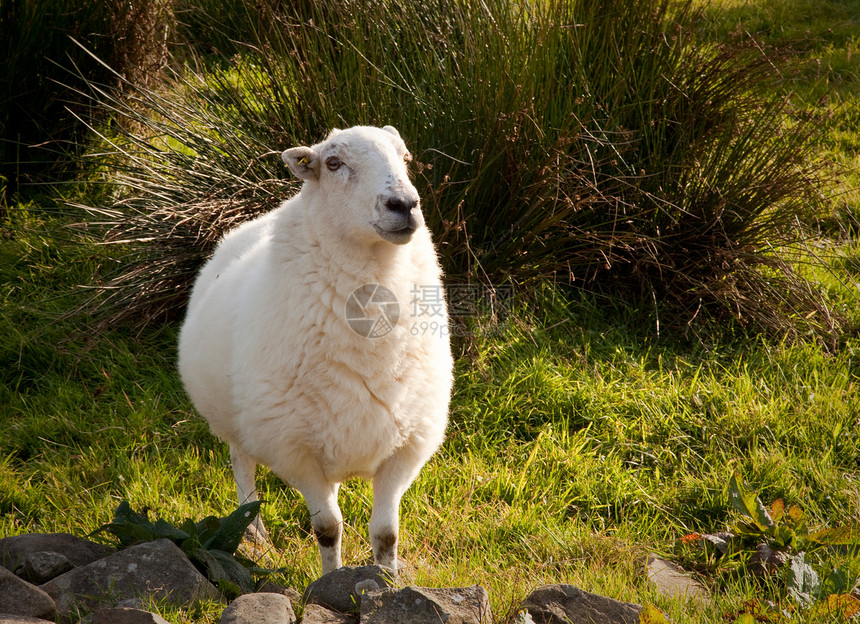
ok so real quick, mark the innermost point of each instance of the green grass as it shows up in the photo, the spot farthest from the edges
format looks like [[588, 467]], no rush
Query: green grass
[[578, 443], [822, 37]]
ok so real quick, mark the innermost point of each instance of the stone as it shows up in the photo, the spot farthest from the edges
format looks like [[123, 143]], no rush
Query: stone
[[262, 608], [316, 614], [157, 569], [366, 586], [672, 581], [41, 567], [18, 597], [8, 618], [77, 550], [124, 615], [337, 589], [720, 542], [265, 585], [766, 560], [425, 605], [566, 604]]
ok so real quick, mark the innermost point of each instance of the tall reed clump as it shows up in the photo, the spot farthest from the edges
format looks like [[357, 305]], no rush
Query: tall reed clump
[[38, 124], [585, 141]]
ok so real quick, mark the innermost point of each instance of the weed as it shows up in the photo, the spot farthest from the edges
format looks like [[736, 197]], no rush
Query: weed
[[211, 544]]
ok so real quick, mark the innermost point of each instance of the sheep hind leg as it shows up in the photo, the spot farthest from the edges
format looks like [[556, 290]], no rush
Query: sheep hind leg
[[244, 472]]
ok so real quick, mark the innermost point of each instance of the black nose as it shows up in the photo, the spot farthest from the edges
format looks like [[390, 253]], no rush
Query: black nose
[[399, 205]]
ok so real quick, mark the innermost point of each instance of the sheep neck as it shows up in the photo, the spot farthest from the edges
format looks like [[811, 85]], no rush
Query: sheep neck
[[354, 257]]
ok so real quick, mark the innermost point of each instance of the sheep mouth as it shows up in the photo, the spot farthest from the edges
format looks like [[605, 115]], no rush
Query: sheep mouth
[[398, 237]]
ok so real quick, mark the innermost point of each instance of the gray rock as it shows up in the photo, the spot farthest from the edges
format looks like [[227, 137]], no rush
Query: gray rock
[[150, 570], [41, 567], [366, 586], [672, 581], [18, 597], [316, 614], [566, 604], [424, 605], [767, 560], [77, 550], [124, 615], [718, 541], [337, 589], [138, 604], [265, 585], [263, 608], [8, 618]]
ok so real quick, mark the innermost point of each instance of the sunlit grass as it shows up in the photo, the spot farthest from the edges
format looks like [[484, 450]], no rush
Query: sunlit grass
[[579, 442], [822, 42]]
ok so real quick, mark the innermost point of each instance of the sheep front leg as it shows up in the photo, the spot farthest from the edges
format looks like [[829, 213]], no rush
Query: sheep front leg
[[244, 472], [326, 519], [389, 485]]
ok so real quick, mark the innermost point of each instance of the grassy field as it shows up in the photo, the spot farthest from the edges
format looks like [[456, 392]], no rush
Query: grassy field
[[823, 39], [579, 442], [581, 437]]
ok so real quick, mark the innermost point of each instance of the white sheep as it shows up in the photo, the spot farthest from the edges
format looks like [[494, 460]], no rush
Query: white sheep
[[275, 354]]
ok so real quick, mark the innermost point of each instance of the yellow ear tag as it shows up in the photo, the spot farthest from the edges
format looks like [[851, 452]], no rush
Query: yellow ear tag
[[304, 160]]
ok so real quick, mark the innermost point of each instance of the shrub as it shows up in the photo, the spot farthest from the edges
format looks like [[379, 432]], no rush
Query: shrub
[[586, 142], [37, 129]]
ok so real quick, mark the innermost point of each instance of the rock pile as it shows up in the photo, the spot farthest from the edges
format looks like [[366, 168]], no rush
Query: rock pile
[[56, 577], [64, 579]]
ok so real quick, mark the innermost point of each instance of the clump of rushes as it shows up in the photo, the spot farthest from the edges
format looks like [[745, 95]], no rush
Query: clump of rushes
[[37, 130], [588, 142]]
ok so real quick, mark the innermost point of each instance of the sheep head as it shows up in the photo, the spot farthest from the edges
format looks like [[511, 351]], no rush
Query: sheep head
[[361, 176]]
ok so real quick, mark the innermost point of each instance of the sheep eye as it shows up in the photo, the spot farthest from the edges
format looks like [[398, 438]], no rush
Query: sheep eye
[[333, 163]]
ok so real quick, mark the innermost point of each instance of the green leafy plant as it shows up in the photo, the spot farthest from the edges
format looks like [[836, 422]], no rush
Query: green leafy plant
[[777, 545], [209, 544], [781, 527], [785, 529]]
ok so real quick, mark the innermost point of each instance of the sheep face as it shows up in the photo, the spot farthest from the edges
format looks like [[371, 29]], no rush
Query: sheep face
[[362, 175]]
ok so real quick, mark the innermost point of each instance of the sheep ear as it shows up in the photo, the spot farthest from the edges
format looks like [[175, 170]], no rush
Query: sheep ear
[[392, 130], [303, 162]]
